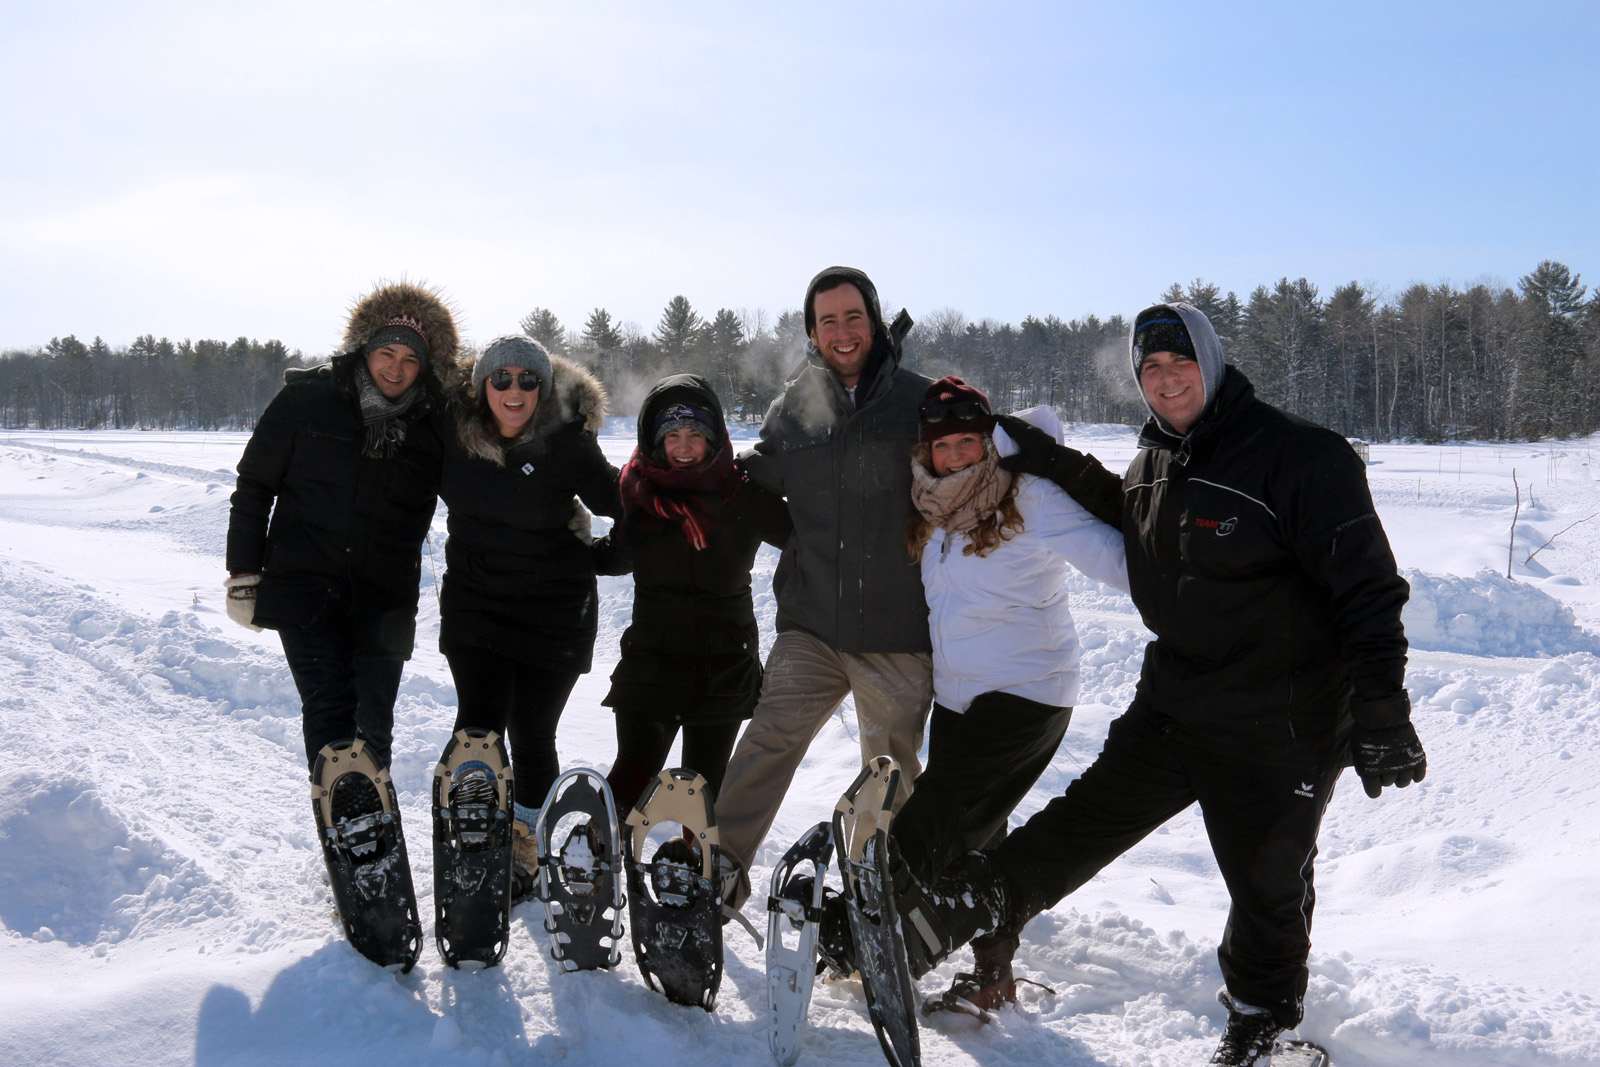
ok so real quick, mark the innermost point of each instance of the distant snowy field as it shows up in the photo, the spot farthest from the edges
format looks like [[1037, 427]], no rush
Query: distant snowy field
[[162, 902]]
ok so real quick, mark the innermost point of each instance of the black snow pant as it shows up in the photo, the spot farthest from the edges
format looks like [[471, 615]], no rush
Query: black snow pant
[[981, 764], [520, 701], [342, 695], [1262, 808], [644, 742]]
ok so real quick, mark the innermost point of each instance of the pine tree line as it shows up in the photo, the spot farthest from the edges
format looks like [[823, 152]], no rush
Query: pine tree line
[[1433, 363]]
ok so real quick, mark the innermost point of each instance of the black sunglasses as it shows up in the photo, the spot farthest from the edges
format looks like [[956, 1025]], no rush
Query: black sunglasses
[[527, 381], [964, 410]]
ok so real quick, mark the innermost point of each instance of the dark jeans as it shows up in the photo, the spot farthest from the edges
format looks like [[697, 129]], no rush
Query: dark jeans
[[981, 764], [643, 743], [1262, 808], [342, 695], [520, 701]]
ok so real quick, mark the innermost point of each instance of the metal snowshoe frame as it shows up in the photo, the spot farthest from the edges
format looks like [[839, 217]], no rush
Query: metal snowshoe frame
[[472, 867], [792, 968], [583, 919], [366, 857], [677, 935], [861, 833]]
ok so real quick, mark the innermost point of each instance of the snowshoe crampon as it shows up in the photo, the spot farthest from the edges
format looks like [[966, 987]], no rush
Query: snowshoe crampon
[[674, 903], [472, 843], [861, 834], [1299, 1054], [794, 919], [580, 879], [358, 824]]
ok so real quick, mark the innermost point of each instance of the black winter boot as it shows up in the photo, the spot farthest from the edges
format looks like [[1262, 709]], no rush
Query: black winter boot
[[1251, 1034], [836, 947], [972, 897]]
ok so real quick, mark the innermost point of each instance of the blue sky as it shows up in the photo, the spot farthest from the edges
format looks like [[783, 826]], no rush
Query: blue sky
[[189, 170]]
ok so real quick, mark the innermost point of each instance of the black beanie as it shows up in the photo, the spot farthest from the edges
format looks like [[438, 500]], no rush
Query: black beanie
[[832, 278], [1164, 334]]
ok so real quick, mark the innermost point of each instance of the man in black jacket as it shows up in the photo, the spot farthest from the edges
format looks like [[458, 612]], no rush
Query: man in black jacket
[[1256, 558], [346, 462]]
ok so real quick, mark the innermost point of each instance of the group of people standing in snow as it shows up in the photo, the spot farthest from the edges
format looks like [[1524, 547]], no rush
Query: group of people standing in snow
[[925, 540]]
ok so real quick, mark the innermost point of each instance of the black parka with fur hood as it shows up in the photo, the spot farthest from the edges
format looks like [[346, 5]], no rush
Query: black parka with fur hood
[[345, 531], [692, 654], [519, 582]]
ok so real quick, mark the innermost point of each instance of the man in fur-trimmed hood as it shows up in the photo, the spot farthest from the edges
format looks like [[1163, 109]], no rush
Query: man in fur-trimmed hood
[[336, 491]]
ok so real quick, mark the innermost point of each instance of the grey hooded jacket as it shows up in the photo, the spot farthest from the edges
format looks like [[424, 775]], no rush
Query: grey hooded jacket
[[845, 575]]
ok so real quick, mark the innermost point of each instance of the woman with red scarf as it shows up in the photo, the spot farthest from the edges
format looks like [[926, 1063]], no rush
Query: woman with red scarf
[[691, 658]]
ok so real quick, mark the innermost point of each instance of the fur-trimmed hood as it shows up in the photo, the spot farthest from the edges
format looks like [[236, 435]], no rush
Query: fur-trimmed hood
[[577, 394], [420, 302]]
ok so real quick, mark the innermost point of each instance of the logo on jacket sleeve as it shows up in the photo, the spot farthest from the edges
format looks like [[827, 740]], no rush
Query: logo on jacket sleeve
[[1306, 790], [1222, 527], [527, 468]]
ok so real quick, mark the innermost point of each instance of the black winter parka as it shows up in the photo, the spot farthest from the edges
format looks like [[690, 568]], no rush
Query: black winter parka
[[345, 531], [518, 581], [1256, 557], [692, 654]]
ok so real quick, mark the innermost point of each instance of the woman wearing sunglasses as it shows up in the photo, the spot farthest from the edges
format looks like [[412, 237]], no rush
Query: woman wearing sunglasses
[[994, 549], [518, 610]]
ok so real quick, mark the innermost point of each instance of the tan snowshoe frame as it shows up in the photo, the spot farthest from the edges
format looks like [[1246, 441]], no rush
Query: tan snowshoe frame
[[869, 807], [338, 761], [678, 796], [484, 749]]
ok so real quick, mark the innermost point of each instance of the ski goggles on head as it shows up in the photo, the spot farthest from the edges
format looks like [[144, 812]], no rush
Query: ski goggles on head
[[960, 410], [527, 381]]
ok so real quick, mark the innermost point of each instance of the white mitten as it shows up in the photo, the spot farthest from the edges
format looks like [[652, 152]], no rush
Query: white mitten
[[582, 523], [242, 599]]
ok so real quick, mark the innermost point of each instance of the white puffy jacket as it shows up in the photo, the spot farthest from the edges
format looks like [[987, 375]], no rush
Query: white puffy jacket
[[1001, 622]]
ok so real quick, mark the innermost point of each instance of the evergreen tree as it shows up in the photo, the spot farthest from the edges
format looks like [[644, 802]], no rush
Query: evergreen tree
[[678, 333], [542, 325]]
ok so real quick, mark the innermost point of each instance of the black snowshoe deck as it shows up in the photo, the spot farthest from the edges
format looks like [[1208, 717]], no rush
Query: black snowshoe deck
[[861, 833], [674, 906], [472, 847], [358, 824], [793, 926], [580, 882]]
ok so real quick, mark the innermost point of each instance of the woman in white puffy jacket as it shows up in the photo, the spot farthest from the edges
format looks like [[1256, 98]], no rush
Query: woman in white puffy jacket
[[994, 550]]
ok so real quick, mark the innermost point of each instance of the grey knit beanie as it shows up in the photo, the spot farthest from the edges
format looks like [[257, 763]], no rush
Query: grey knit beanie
[[513, 350]]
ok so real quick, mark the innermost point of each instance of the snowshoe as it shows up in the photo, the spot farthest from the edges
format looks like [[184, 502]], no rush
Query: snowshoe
[[358, 824], [974, 995], [861, 833], [1300, 1054], [580, 882], [674, 899], [472, 844], [794, 919]]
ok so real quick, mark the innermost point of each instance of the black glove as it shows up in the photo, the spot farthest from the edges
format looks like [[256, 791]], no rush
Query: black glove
[[1038, 453], [1391, 755], [1078, 473]]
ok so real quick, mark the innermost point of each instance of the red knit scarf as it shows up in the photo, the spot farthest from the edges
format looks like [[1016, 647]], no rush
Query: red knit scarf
[[655, 495]]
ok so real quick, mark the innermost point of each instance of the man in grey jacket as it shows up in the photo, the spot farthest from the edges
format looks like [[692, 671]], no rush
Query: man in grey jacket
[[851, 613]]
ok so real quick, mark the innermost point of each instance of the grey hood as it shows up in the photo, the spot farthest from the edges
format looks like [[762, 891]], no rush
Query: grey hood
[[1207, 351]]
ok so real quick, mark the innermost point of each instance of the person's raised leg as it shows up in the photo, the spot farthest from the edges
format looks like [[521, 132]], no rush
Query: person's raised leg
[[805, 681]]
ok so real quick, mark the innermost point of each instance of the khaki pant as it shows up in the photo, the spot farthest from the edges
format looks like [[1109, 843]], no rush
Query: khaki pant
[[805, 682]]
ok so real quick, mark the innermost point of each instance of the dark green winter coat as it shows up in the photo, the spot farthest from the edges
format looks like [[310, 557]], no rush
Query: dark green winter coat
[[845, 469]]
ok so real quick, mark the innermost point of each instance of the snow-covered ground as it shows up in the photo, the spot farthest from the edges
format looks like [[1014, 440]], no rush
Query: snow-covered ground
[[162, 901]]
